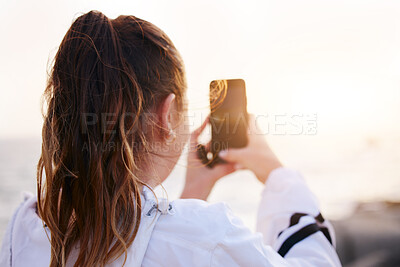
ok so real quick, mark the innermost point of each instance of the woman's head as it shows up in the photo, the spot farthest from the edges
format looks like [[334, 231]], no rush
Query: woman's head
[[115, 99]]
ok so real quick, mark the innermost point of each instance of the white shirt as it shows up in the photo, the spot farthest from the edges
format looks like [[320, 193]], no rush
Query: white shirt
[[192, 232]]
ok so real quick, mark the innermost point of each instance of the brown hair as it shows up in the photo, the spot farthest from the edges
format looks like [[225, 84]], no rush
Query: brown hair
[[91, 192]]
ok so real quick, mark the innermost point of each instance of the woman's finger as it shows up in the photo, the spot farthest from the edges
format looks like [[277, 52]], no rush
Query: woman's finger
[[196, 133]]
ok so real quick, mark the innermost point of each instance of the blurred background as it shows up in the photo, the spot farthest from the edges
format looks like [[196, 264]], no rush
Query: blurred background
[[323, 77]]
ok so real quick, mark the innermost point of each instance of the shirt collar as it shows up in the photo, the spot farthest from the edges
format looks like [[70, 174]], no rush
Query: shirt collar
[[147, 193]]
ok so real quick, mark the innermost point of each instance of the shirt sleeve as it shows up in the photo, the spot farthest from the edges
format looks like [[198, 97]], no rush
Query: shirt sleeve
[[5, 252], [290, 229], [6, 247]]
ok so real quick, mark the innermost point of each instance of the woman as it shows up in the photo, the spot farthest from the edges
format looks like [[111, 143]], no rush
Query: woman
[[114, 130]]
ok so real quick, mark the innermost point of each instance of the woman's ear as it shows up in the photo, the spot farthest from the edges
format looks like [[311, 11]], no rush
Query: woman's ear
[[166, 112]]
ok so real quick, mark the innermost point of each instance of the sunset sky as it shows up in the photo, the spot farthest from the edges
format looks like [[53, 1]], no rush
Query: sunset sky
[[337, 59]]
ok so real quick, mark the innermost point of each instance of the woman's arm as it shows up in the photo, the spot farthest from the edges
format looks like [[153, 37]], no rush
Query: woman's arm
[[199, 178], [290, 230], [291, 222], [288, 215]]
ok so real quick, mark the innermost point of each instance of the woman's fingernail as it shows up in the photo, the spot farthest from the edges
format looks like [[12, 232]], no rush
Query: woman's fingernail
[[222, 153]]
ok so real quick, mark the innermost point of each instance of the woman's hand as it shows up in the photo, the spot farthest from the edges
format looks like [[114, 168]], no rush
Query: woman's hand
[[200, 179], [257, 156]]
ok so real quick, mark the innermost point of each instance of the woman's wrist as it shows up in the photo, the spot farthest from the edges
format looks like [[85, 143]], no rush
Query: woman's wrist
[[199, 189], [266, 169]]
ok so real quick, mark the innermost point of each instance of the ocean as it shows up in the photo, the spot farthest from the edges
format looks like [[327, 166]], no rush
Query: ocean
[[340, 174]]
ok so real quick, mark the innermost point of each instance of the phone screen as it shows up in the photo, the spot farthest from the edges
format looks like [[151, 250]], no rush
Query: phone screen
[[228, 116]]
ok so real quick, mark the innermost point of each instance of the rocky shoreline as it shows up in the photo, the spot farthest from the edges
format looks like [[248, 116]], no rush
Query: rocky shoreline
[[370, 236]]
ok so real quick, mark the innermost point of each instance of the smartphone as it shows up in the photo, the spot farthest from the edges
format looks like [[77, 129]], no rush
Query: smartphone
[[228, 118]]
